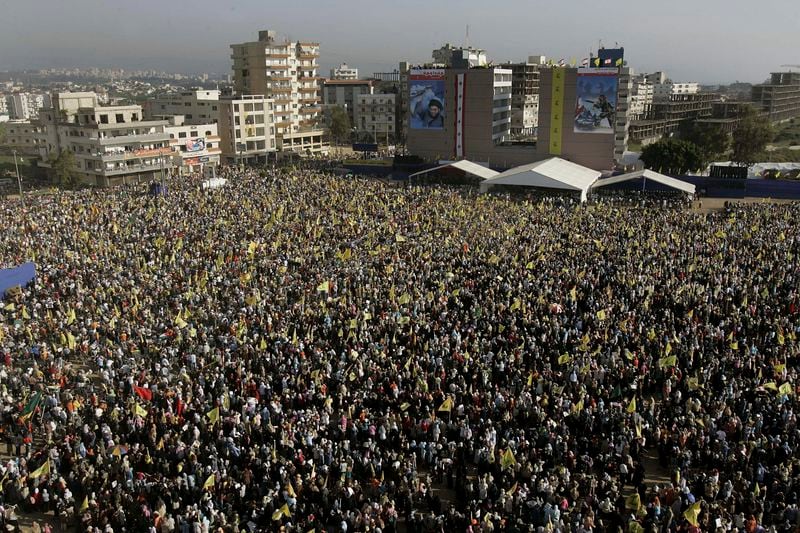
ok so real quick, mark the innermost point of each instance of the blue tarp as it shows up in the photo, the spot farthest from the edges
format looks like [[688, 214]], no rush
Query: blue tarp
[[18, 276]]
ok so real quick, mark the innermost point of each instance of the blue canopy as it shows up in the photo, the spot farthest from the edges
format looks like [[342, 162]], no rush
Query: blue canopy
[[16, 277]]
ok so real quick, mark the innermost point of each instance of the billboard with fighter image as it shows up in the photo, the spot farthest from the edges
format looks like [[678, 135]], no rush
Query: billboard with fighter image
[[426, 98], [596, 100]]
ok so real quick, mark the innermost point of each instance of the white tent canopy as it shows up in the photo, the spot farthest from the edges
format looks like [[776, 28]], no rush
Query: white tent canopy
[[667, 181], [473, 169], [553, 173]]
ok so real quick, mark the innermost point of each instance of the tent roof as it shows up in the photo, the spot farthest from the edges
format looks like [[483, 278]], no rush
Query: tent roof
[[649, 175], [553, 173], [467, 166]]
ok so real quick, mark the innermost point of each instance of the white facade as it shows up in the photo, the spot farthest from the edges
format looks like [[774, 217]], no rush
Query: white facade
[[501, 106], [195, 146], [663, 91], [25, 106], [247, 129], [641, 98], [344, 72], [375, 114], [447, 54], [199, 106], [622, 119], [111, 144], [286, 72]]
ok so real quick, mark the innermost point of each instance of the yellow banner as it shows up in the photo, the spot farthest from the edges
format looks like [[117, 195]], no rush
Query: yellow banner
[[557, 111]]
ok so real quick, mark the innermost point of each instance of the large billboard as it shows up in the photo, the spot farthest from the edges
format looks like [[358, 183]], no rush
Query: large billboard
[[596, 100], [611, 57], [196, 145], [426, 98]]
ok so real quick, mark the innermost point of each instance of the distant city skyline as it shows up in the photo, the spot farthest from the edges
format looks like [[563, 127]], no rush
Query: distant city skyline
[[709, 42]]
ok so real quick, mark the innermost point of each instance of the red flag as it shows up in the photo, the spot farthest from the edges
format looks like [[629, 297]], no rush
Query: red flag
[[144, 394], [179, 408]]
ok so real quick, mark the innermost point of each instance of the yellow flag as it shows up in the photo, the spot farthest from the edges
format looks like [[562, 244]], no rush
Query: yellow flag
[[9, 307], [210, 480], [41, 471], [632, 406], [578, 407], [404, 298], [290, 490], [323, 287], [516, 305], [633, 502], [25, 314], [573, 293], [771, 386], [668, 348], [180, 322], [667, 362], [70, 316], [786, 388], [213, 415], [781, 339], [447, 405], [508, 460], [564, 359], [735, 345], [263, 344], [780, 368], [71, 343], [400, 238], [692, 514], [601, 314], [138, 410], [85, 505]]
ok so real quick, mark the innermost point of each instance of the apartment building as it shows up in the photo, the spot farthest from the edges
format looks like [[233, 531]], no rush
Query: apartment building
[[25, 106], [344, 72], [112, 145], [641, 98], [375, 114], [780, 98], [247, 129], [344, 93], [622, 112], [286, 72], [668, 89], [22, 135], [476, 115], [195, 147], [198, 106], [524, 97]]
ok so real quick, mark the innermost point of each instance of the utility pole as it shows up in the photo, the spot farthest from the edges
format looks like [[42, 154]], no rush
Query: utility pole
[[19, 180]]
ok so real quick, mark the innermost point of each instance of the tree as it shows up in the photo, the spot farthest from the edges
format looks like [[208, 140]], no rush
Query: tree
[[750, 137], [710, 139], [63, 166], [672, 156], [339, 124]]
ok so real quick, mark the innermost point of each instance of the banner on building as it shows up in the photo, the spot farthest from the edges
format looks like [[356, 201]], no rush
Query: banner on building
[[196, 145], [426, 98], [596, 105], [460, 86], [557, 111]]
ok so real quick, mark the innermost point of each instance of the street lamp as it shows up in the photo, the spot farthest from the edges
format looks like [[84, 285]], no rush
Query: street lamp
[[19, 180]]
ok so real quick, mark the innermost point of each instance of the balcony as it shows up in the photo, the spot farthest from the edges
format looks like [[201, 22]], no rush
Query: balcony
[[128, 169], [134, 154], [309, 109], [134, 138]]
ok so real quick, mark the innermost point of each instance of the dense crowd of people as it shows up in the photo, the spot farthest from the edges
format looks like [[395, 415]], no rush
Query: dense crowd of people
[[303, 352]]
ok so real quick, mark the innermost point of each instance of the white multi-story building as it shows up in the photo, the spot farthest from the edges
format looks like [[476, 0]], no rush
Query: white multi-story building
[[286, 72], [22, 135], [195, 147], [247, 129], [112, 144], [344, 72], [641, 98], [622, 116], [198, 106], [664, 91], [25, 106], [344, 93], [375, 114], [459, 57]]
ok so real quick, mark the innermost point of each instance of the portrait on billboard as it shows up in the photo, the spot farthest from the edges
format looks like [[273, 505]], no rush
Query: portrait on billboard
[[426, 98], [596, 100]]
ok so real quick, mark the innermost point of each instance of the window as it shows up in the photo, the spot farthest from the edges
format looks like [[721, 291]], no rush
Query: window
[[120, 118], [208, 133], [182, 135], [103, 119], [213, 108]]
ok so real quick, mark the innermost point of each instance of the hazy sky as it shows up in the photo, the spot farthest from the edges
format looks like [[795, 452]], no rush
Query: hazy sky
[[693, 40]]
